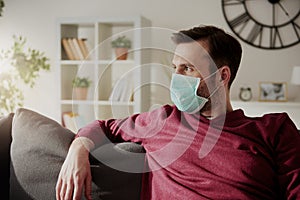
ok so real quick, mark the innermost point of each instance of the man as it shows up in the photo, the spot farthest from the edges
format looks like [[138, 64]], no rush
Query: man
[[200, 148]]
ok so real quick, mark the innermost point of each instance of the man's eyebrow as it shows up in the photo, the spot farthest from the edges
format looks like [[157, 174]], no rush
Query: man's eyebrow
[[186, 64]]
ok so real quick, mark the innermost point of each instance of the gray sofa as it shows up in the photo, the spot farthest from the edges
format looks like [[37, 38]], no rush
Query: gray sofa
[[32, 151]]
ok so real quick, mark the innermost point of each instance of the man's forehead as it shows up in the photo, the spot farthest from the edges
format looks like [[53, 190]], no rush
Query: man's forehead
[[191, 52]]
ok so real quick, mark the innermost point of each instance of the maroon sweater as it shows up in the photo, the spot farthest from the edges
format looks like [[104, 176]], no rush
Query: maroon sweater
[[245, 158]]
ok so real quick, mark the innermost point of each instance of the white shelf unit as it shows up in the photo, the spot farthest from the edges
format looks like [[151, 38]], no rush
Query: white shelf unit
[[102, 67], [257, 108]]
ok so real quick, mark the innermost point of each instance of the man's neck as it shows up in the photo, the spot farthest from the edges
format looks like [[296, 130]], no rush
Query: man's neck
[[217, 109]]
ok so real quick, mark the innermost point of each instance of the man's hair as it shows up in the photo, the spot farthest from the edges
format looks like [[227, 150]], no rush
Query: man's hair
[[223, 48]]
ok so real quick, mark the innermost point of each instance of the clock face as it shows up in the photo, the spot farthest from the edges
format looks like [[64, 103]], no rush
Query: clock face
[[245, 94], [266, 24]]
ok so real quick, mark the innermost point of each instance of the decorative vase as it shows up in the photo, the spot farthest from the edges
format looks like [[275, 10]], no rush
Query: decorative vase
[[80, 93], [121, 53]]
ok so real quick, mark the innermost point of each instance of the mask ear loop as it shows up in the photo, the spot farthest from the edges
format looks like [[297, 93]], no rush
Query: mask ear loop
[[216, 89], [210, 75]]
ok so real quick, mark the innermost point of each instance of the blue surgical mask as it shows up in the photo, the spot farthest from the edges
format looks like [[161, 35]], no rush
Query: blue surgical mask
[[183, 91]]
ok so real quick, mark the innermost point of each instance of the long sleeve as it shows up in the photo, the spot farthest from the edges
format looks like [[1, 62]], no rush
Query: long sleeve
[[94, 132], [287, 144]]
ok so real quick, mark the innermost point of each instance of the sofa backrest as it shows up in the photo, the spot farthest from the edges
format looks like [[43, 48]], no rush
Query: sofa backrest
[[5, 141]]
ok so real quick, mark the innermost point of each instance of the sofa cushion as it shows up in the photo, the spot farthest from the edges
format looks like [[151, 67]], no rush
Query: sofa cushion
[[38, 150], [39, 147], [5, 141]]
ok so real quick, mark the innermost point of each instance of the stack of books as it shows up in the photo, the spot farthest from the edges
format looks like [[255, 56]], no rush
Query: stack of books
[[75, 49], [72, 121]]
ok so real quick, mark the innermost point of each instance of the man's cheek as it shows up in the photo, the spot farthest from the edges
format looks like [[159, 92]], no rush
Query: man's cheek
[[202, 90]]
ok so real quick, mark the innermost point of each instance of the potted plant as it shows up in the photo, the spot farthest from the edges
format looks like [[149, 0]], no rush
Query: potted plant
[[121, 45], [80, 87]]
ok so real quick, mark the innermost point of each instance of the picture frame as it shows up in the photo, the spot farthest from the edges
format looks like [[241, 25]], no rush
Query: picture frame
[[273, 91]]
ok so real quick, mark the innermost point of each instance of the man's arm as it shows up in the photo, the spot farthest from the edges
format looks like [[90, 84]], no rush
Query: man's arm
[[75, 173]]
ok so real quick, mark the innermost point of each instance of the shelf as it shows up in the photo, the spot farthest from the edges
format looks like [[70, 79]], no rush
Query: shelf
[[101, 66], [271, 103], [117, 62], [76, 62], [99, 62], [259, 108], [104, 103]]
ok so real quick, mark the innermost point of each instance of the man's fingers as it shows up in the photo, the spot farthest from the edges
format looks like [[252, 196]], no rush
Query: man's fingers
[[88, 186], [58, 188], [69, 191], [78, 183], [63, 191], [73, 173]]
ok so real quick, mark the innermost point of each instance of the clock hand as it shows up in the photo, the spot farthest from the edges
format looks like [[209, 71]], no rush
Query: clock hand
[[284, 10], [273, 14]]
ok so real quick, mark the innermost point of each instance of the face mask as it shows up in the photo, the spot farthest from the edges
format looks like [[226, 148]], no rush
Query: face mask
[[184, 93]]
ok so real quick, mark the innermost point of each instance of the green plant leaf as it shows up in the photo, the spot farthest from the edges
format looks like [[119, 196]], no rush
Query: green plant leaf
[[122, 42], [81, 82], [25, 67]]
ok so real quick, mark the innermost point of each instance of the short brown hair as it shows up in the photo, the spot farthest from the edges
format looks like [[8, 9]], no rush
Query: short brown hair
[[224, 49]]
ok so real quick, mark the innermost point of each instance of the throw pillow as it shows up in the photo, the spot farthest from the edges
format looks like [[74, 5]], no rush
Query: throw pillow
[[39, 147]]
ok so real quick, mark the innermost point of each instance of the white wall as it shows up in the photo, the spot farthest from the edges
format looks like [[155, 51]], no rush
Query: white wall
[[36, 20]]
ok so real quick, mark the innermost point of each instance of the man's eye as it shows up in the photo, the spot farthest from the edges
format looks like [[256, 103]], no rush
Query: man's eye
[[188, 68], [173, 68]]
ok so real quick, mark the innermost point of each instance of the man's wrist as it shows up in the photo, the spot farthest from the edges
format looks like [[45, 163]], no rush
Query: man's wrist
[[83, 142]]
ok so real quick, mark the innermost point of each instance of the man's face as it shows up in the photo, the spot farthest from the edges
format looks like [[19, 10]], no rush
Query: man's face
[[192, 59]]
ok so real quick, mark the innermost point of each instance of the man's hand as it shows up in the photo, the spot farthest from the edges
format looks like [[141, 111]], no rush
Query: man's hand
[[75, 173]]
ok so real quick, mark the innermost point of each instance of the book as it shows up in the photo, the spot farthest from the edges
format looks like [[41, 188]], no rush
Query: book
[[126, 93], [115, 94], [122, 90], [77, 49], [72, 121], [67, 49], [73, 49], [83, 48]]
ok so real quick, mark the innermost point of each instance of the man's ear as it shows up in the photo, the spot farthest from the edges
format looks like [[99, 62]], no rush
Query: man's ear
[[225, 74]]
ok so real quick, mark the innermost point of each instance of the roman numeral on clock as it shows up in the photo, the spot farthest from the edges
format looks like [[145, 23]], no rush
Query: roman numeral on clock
[[296, 29], [256, 31], [233, 2], [274, 37], [241, 19]]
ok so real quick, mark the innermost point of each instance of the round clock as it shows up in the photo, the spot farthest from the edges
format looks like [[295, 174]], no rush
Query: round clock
[[245, 94], [266, 24]]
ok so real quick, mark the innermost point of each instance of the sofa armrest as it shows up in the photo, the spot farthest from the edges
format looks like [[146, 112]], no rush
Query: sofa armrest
[[117, 169]]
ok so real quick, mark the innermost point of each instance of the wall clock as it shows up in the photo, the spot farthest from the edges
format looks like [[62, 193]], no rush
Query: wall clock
[[266, 24]]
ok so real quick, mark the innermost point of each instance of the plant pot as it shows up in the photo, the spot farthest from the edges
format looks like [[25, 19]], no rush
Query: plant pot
[[121, 53], [80, 93]]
